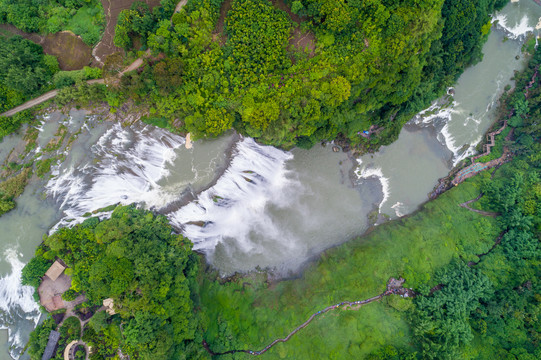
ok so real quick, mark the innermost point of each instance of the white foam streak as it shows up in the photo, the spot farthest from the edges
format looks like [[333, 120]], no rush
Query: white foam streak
[[16, 303], [127, 168], [236, 207], [398, 209], [367, 172], [514, 31]]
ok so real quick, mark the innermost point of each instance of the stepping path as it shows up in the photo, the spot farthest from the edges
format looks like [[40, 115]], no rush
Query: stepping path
[[394, 286], [466, 205]]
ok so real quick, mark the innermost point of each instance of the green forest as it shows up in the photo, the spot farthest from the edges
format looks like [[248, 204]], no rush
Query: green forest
[[150, 274], [365, 64], [476, 277], [286, 73]]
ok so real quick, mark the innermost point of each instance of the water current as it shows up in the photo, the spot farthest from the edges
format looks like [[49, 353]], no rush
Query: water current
[[244, 205]]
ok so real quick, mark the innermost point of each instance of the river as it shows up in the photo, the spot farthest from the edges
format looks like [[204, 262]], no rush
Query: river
[[247, 206]]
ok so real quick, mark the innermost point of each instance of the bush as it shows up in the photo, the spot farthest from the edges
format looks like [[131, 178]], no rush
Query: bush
[[34, 271], [70, 295]]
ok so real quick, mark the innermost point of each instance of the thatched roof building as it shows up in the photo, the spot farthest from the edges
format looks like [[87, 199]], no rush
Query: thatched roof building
[[56, 269]]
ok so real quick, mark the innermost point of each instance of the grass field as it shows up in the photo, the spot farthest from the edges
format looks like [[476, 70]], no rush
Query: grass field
[[253, 314]]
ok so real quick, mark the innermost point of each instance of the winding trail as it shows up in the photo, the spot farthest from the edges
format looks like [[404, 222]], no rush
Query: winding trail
[[491, 140], [394, 286], [466, 204]]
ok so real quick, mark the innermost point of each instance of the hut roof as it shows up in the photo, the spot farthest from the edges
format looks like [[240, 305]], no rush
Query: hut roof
[[54, 336], [55, 270]]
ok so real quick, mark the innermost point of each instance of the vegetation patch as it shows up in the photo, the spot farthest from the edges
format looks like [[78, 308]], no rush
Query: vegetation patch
[[85, 18], [13, 188]]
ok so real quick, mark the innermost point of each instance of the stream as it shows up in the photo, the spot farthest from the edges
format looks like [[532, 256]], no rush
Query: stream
[[244, 205]]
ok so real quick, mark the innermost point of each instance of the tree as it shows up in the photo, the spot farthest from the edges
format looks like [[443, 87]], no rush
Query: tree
[[34, 271]]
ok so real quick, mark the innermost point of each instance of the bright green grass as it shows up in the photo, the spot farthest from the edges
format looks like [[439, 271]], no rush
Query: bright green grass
[[88, 23], [412, 248]]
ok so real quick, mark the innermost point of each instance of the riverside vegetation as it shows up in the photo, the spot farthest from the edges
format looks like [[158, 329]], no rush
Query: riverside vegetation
[[476, 277], [323, 69]]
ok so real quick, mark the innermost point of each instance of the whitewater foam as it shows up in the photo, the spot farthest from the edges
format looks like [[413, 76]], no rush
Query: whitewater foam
[[398, 208], [17, 304], [127, 164], [515, 31], [236, 207], [366, 172]]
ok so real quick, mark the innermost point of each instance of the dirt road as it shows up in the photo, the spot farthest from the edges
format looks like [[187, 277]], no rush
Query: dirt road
[[41, 99]]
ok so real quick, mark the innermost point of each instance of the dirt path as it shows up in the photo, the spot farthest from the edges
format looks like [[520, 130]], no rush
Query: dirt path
[[41, 99], [394, 286], [466, 205], [180, 5]]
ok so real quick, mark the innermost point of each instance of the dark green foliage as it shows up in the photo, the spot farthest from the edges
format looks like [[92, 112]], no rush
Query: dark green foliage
[[134, 259], [70, 295], [441, 320], [24, 72], [257, 39], [39, 337], [374, 63], [83, 17], [34, 271]]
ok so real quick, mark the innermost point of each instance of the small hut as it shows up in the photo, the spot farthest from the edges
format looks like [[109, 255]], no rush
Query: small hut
[[56, 269], [54, 336]]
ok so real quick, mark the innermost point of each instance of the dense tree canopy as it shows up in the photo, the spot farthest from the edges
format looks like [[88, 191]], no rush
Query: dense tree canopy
[[24, 70], [134, 259], [328, 68]]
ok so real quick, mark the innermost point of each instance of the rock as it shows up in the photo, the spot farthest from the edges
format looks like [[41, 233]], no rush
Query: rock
[[335, 148]]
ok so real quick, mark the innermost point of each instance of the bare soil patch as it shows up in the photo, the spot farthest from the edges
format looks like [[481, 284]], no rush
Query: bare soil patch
[[71, 51], [303, 40], [50, 292]]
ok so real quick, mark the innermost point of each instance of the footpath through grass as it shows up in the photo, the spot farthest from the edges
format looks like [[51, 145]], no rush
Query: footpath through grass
[[250, 313]]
